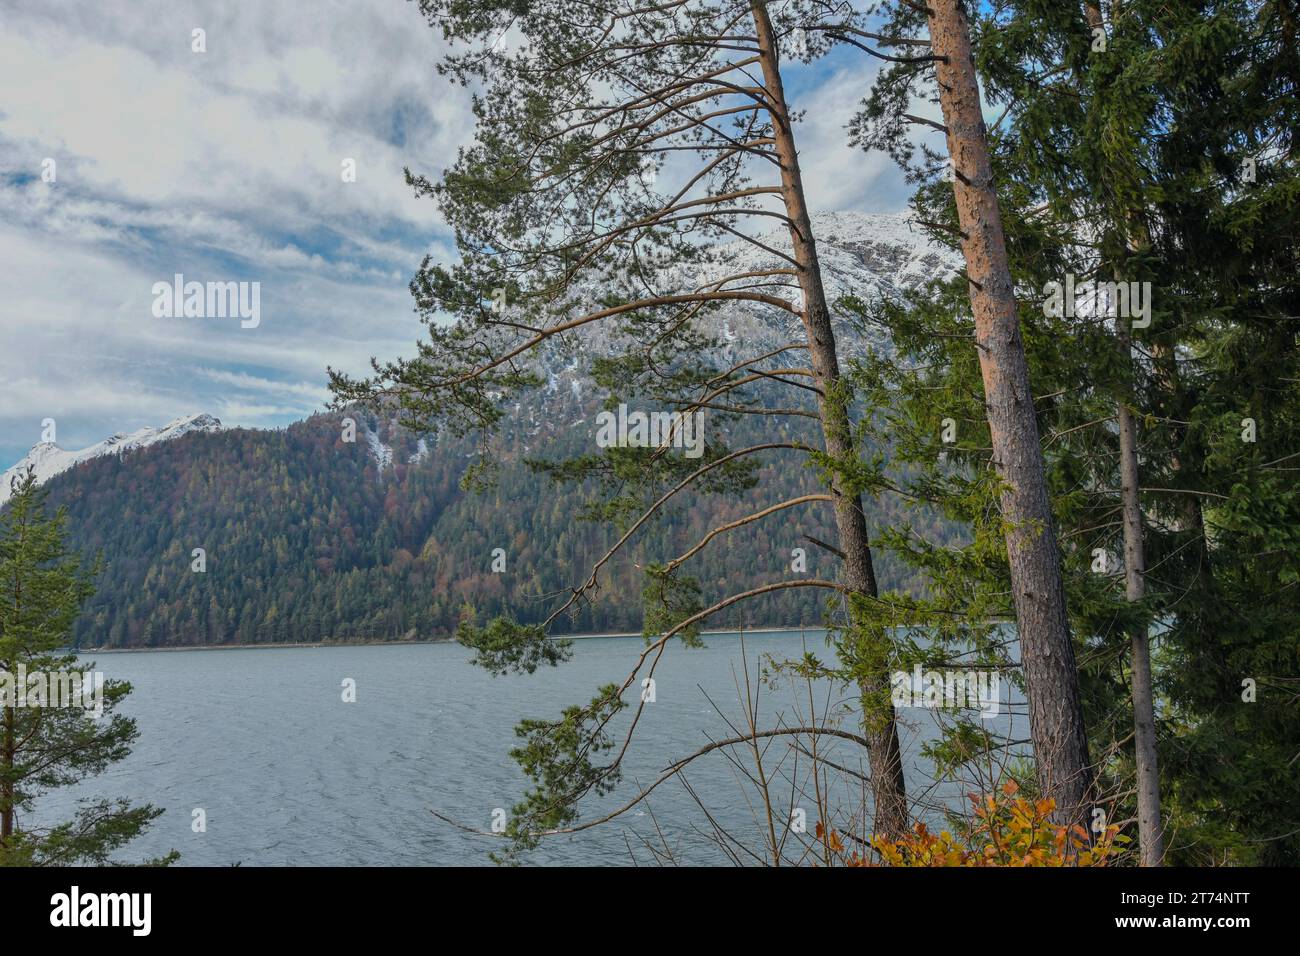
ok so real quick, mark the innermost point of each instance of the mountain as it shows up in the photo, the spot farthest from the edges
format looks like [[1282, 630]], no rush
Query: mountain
[[47, 459], [307, 536], [861, 254]]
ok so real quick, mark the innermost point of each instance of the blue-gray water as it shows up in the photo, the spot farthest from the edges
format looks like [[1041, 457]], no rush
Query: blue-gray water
[[288, 773]]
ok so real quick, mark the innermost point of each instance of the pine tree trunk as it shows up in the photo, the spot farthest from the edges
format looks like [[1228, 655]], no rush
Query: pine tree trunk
[[1150, 830], [880, 726], [1151, 850], [1092, 13], [1047, 651], [1150, 826], [7, 752]]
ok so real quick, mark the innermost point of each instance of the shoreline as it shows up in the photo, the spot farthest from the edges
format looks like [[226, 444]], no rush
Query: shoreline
[[85, 651]]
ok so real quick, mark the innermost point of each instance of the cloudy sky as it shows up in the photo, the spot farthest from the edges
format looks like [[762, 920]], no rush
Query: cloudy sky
[[225, 165]]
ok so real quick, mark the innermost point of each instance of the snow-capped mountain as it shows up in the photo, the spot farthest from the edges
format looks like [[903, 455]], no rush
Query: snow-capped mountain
[[860, 253], [864, 255], [47, 459]]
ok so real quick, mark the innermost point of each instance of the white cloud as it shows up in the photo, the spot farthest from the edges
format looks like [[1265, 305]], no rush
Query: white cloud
[[225, 165], [836, 175]]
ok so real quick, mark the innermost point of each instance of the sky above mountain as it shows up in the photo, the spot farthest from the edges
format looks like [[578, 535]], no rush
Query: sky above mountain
[[225, 165]]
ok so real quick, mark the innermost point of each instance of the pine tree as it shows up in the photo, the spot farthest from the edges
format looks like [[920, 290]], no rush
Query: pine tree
[[615, 143], [47, 743], [1158, 151], [1171, 148], [1047, 655]]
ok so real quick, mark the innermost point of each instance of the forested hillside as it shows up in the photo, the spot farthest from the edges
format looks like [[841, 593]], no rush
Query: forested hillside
[[307, 538]]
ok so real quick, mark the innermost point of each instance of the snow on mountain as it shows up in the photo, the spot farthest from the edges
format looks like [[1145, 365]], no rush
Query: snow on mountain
[[421, 452], [861, 254], [47, 459], [383, 454]]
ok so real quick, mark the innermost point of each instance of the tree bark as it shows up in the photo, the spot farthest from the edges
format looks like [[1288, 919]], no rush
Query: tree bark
[[1092, 13], [880, 725], [1047, 651], [7, 753], [1150, 828], [1151, 850]]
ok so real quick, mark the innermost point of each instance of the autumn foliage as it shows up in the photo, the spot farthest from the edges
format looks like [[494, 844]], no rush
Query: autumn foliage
[[1008, 830]]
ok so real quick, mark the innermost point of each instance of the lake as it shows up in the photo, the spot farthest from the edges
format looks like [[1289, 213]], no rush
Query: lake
[[286, 772]]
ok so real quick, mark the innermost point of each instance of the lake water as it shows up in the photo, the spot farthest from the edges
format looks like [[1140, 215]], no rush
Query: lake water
[[288, 773]]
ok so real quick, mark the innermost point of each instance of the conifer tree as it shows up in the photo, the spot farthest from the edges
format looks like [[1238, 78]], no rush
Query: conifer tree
[[1047, 653], [46, 743], [1171, 149], [617, 147], [1158, 150]]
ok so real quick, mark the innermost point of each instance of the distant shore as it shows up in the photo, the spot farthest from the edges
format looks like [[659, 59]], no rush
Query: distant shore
[[440, 640]]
